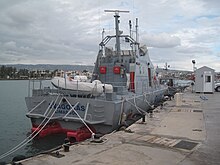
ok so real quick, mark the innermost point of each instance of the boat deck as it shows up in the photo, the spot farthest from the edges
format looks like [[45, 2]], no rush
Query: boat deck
[[184, 135]]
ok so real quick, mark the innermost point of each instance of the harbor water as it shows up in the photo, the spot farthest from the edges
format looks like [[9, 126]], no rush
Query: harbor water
[[15, 126]]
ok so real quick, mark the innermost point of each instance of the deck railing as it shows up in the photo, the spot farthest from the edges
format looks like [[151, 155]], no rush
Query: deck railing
[[41, 87]]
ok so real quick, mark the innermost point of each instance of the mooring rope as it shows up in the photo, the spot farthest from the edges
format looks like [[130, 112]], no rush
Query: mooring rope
[[145, 99], [121, 114], [36, 106], [72, 108], [33, 134], [138, 108]]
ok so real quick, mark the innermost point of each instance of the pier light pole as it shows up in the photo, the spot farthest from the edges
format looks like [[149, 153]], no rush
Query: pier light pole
[[194, 65]]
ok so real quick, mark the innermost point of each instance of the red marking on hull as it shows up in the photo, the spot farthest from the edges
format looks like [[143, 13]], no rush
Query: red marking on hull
[[132, 85], [80, 134], [51, 128]]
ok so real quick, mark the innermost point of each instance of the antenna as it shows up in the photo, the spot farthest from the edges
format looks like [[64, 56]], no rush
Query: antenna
[[136, 26], [117, 32], [130, 27], [117, 11], [103, 33]]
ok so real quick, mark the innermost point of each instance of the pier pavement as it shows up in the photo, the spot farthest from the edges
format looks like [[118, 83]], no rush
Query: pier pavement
[[187, 134]]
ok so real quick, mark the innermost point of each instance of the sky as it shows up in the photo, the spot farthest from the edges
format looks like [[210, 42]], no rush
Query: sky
[[69, 31]]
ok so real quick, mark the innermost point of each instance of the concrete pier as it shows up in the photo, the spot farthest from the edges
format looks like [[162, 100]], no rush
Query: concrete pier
[[183, 134]]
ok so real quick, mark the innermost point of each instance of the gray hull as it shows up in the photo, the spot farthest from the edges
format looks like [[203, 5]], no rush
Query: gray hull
[[102, 114]]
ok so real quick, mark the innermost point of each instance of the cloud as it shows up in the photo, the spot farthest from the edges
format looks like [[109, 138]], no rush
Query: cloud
[[162, 40], [194, 50], [67, 31], [46, 36], [208, 20], [213, 5], [11, 45]]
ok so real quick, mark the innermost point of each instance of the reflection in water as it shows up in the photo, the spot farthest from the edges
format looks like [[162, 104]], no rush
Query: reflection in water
[[49, 142]]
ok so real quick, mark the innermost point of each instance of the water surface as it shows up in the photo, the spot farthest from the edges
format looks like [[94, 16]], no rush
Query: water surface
[[15, 126]]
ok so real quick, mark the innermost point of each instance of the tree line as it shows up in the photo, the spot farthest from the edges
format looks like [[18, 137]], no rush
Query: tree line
[[12, 73]]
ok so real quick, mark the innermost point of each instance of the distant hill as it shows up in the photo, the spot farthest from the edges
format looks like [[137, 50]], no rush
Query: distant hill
[[51, 67]]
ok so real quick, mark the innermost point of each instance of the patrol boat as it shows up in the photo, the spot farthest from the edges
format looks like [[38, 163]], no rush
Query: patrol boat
[[123, 88]]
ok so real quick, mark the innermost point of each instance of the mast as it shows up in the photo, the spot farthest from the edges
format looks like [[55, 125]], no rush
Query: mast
[[117, 32], [137, 38], [103, 33], [130, 27]]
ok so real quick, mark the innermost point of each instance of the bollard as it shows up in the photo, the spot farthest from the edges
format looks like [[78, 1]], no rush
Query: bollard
[[161, 106], [143, 119], [66, 145], [178, 98], [57, 153], [18, 158], [66, 140], [151, 114]]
